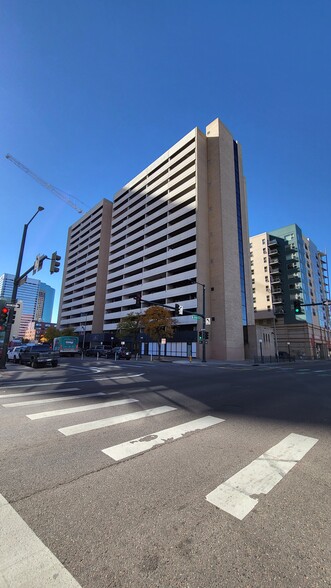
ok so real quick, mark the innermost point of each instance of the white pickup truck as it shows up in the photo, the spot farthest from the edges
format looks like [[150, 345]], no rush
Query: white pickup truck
[[13, 353]]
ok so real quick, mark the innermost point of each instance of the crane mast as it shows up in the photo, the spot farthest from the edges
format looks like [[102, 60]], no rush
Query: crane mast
[[59, 193]]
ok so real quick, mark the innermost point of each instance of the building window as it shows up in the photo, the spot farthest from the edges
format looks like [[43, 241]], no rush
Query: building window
[[266, 279], [263, 241]]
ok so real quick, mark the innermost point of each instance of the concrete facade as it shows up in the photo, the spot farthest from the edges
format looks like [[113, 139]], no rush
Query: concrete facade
[[82, 300], [181, 224], [286, 267]]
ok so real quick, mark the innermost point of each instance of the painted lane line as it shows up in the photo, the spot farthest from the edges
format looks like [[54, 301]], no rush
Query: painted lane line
[[235, 495], [73, 409], [47, 400], [24, 559], [125, 418], [142, 444], [44, 392], [27, 385]]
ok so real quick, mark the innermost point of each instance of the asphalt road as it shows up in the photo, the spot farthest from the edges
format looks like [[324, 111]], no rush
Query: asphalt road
[[164, 475]]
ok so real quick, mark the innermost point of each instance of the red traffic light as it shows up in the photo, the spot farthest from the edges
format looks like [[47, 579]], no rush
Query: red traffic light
[[5, 310]]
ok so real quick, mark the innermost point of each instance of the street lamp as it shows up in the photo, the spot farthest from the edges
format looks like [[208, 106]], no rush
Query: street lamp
[[15, 288], [84, 328], [203, 321]]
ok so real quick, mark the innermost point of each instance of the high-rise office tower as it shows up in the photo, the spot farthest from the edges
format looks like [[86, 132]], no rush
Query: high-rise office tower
[[28, 296], [287, 268]]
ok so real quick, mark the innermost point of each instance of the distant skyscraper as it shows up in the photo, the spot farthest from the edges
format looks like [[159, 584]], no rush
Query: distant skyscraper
[[28, 293], [45, 303]]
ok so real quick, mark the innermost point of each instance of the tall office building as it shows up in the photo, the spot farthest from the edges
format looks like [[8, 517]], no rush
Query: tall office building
[[45, 303], [180, 235], [82, 300], [286, 267], [29, 295]]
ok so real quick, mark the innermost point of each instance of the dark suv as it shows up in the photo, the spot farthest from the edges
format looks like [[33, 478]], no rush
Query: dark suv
[[120, 353], [98, 352]]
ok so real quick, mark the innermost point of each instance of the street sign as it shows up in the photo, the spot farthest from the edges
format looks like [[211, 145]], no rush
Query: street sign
[[207, 321], [163, 341], [194, 316]]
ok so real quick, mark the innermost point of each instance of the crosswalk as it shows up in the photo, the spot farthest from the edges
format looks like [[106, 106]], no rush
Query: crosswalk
[[237, 495]]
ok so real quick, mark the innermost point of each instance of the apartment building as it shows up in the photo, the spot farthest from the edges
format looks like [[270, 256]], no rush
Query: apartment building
[[179, 234], [286, 266], [82, 300]]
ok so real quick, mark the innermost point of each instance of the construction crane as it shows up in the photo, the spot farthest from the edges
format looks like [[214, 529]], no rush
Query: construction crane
[[59, 193]]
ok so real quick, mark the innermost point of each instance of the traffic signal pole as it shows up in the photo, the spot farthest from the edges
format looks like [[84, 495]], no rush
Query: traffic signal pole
[[3, 357]]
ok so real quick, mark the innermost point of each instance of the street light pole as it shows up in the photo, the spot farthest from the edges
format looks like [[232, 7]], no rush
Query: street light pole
[[15, 288], [203, 321]]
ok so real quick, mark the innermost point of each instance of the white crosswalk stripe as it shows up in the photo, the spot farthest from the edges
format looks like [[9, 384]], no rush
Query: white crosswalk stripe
[[59, 399], [108, 422], [237, 496], [74, 409], [38, 393], [142, 444]]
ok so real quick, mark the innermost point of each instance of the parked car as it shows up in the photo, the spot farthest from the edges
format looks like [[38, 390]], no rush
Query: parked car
[[100, 351], [13, 354], [120, 353]]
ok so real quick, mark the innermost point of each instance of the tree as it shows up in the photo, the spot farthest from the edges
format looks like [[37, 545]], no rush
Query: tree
[[51, 333], [67, 332], [130, 326], [158, 323]]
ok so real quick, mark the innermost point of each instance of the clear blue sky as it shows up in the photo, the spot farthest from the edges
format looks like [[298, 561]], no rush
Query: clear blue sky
[[92, 91]]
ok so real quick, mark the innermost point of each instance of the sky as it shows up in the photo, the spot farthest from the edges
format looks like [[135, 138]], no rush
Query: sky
[[93, 91]]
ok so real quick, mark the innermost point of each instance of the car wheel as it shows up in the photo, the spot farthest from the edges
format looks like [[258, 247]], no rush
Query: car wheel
[[54, 363], [34, 364]]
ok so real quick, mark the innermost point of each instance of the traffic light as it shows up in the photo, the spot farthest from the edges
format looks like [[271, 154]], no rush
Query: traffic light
[[137, 298], [206, 335], [297, 307], [55, 263], [4, 315], [201, 336]]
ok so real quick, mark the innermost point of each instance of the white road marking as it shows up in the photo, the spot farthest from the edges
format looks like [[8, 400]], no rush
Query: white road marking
[[59, 390], [24, 559], [73, 409], [237, 495], [142, 444], [47, 400], [55, 383], [132, 416]]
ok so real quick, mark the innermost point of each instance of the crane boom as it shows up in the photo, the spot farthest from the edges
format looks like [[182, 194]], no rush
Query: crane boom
[[59, 193]]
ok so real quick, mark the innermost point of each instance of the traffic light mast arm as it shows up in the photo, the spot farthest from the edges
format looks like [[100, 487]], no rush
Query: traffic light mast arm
[[170, 307], [19, 278]]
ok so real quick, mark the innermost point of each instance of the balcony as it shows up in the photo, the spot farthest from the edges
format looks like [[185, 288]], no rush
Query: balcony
[[278, 310], [277, 291], [272, 242], [274, 270], [278, 300], [274, 261], [273, 251], [275, 280]]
